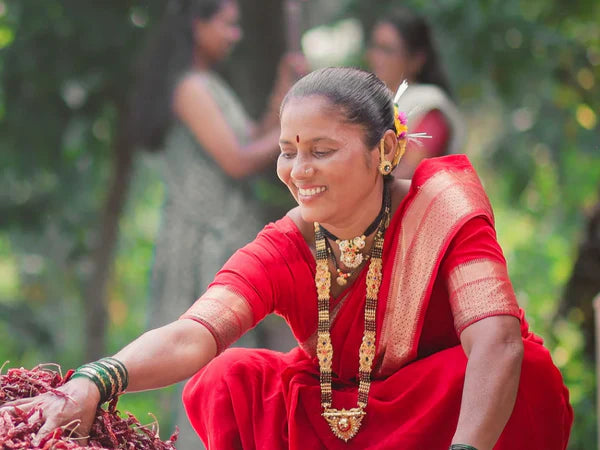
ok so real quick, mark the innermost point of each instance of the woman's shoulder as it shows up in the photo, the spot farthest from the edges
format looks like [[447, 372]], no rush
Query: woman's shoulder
[[449, 179], [193, 83], [430, 91], [458, 165], [293, 223], [291, 231]]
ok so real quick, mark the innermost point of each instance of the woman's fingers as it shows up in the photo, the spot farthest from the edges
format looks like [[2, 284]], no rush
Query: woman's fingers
[[18, 402], [24, 405], [49, 426], [72, 410]]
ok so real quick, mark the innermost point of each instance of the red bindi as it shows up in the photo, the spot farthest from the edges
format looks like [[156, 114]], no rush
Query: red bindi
[[298, 138]]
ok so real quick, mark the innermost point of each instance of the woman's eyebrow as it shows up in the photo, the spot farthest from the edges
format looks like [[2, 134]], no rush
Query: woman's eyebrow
[[313, 140]]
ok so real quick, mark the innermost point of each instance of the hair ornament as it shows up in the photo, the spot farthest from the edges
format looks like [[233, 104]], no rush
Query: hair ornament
[[403, 87], [401, 126]]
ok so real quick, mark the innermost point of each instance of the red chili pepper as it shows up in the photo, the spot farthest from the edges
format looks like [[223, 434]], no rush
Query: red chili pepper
[[109, 430]]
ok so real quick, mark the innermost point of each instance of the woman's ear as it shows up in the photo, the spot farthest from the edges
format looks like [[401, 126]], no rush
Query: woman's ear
[[390, 144], [387, 149]]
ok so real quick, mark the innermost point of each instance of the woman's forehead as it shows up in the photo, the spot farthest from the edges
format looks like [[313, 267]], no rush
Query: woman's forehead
[[312, 111], [308, 104], [314, 117]]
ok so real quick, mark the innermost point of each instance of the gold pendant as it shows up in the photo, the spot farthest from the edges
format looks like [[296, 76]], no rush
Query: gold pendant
[[350, 249], [341, 281], [344, 423]]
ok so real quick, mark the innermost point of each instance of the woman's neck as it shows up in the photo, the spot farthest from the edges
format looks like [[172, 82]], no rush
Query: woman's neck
[[360, 219], [200, 62]]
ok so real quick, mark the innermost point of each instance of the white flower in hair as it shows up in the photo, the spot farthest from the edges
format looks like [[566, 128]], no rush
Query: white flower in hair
[[401, 125]]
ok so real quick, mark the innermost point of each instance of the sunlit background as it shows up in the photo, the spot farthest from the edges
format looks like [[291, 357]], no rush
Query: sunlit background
[[525, 74]]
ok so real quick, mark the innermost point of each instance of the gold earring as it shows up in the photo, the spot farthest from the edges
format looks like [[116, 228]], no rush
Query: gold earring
[[385, 166]]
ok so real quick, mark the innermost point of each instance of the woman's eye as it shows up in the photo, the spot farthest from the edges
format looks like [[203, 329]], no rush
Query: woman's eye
[[321, 153], [287, 155]]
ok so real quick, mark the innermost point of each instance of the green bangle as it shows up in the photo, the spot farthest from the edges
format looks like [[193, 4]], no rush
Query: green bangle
[[109, 374], [462, 447], [106, 376], [122, 371], [92, 377], [100, 377]]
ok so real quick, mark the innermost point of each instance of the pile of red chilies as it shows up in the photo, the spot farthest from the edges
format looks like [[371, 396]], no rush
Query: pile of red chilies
[[109, 430]]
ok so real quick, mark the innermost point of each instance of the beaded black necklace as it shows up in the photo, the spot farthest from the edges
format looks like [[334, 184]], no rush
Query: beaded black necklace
[[350, 249], [346, 423]]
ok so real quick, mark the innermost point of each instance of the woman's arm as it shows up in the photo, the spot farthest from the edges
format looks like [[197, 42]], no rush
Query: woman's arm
[[292, 67], [494, 349], [157, 358], [195, 107], [167, 355]]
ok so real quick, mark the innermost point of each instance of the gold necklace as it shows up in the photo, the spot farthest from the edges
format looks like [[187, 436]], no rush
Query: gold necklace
[[342, 277], [351, 249], [346, 423]]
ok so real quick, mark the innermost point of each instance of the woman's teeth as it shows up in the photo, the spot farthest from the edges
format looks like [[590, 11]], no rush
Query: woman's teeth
[[311, 191]]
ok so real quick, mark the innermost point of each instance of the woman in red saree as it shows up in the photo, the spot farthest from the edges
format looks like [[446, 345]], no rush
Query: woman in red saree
[[443, 271], [448, 272], [409, 332]]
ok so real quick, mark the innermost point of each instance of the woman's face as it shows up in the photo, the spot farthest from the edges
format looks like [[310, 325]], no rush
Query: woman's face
[[216, 36], [325, 163], [389, 58]]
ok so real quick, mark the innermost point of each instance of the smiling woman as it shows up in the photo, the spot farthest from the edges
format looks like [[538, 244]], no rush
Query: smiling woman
[[419, 341]]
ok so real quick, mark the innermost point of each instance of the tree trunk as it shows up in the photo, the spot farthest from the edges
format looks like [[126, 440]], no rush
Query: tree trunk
[[584, 283], [96, 304]]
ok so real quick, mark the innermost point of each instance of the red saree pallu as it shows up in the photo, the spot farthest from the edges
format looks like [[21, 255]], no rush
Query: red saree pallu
[[442, 271]]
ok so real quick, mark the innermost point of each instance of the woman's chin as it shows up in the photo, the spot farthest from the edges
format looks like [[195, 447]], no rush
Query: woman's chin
[[311, 215]]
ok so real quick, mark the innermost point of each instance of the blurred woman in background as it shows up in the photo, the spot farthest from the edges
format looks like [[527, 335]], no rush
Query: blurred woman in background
[[183, 110], [401, 48]]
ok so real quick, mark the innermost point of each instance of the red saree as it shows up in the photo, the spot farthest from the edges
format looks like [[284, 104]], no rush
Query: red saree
[[443, 270]]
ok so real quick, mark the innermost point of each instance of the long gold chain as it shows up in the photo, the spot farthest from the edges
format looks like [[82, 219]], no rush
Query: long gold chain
[[346, 423]]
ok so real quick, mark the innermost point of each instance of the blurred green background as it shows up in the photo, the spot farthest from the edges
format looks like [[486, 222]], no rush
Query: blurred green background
[[79, 210]]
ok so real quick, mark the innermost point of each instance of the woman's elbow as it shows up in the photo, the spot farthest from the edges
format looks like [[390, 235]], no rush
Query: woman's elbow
[[237, 170], [508, 351], [511, 352]]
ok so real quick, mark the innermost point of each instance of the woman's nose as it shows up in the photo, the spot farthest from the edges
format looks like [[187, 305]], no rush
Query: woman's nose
[[302, 169]]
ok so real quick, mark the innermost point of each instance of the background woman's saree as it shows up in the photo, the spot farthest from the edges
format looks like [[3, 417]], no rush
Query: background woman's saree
[[443, 270]]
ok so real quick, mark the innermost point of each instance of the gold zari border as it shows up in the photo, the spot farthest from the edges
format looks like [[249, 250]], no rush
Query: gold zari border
[[225, 313], [478, 289], [443, 202]]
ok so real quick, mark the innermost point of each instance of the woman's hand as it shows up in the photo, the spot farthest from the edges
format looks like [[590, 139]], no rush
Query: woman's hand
[[72, 405], [292, 67]]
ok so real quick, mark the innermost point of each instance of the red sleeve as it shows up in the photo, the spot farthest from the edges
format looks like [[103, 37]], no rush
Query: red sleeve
[[265, 271], [435, 125], [476, 276], [274, 273]]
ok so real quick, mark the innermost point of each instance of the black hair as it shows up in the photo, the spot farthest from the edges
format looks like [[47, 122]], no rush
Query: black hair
[[360, 96], [168, 54], [417, 35]]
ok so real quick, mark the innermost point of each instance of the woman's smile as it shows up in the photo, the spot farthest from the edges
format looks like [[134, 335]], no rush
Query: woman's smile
[[309, 193]]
